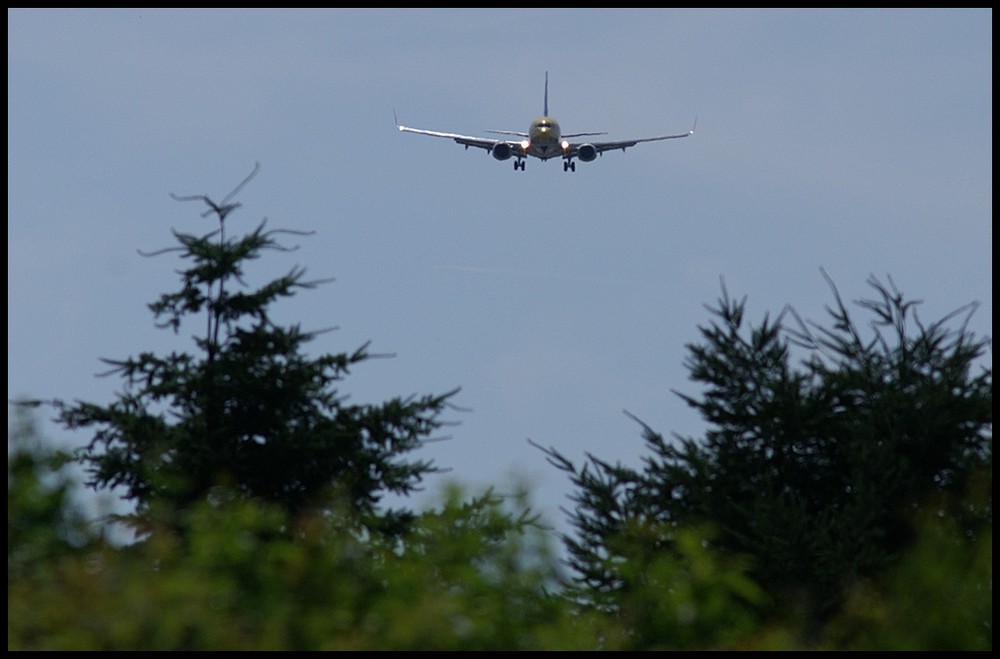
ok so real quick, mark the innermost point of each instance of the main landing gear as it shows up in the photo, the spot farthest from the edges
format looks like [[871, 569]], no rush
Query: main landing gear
[[519, 164], [569, 165]]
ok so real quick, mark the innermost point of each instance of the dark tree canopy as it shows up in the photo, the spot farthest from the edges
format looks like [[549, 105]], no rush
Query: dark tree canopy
[[815, 472], [249, 412]]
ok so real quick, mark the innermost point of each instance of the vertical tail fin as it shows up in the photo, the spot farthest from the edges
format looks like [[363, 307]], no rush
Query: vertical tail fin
[[546, 113]]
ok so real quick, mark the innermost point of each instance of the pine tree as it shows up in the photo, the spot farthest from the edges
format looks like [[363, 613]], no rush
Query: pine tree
[[816, 473], [249, 413]]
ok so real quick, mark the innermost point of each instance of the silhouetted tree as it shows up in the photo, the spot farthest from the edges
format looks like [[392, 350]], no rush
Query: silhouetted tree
[[249, 413], [816, 473]]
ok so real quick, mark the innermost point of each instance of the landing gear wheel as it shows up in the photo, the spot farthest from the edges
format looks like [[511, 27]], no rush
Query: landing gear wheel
[[518, 164], [569, 166]]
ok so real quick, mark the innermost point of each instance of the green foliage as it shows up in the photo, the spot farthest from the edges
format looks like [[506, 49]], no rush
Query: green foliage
[[473, 575], [937, 596], [681, 596], [814, 473], [44, 521], [247, 575], [249, 411]]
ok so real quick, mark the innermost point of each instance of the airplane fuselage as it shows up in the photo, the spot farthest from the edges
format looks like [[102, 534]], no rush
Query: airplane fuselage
[[543, 139]]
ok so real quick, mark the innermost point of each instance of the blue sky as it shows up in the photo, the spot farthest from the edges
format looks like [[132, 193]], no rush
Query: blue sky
[[856, 141]]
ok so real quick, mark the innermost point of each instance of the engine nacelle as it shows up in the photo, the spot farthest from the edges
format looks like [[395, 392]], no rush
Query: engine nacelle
[[586, 152], [501, 151]]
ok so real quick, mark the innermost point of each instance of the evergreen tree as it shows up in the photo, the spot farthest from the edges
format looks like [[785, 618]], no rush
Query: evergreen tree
[[816, 473], [249, 412]]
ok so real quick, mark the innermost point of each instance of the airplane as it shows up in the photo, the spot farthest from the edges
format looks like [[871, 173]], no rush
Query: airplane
[[543, 140]]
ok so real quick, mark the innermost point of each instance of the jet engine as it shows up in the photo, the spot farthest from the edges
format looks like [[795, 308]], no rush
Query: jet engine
[[586, 152], [501, 151]]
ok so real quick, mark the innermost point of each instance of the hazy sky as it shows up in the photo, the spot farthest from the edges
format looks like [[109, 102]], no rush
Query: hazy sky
[[856, 141]]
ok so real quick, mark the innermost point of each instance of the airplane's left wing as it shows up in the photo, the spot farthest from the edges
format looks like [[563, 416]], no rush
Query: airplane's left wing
[[591, 149], [508, 148], [467, 140], [499, 149]]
